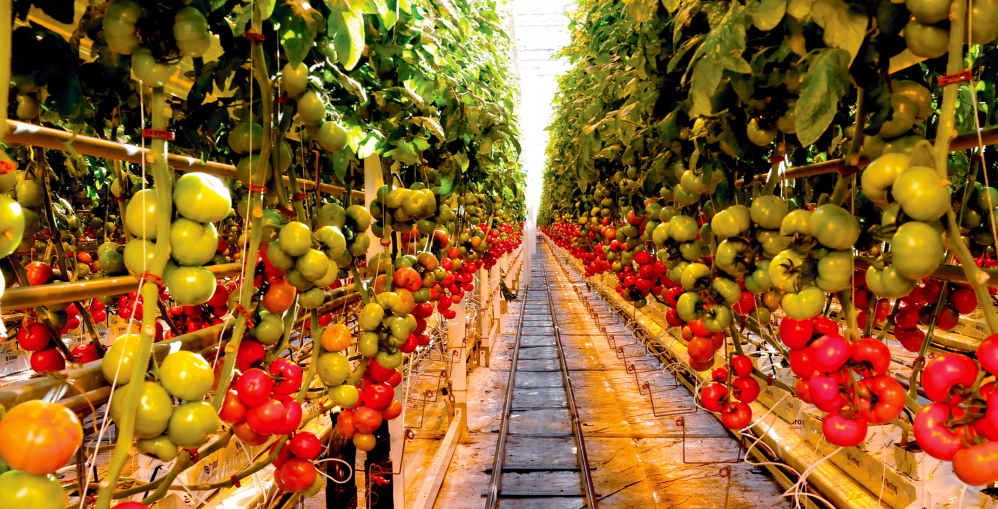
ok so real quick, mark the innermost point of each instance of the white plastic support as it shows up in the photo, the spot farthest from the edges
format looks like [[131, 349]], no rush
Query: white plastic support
[[373, 180], [458, 357]]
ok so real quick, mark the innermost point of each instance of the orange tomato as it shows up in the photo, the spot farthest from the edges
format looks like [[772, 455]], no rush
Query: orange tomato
[[39, 438], [336, 338], [364, 441], [279, 296]]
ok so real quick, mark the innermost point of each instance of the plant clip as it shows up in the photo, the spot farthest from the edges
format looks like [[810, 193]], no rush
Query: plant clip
[[291, 101], [235, 481], [918, 359], [246, 315], [152, 278], [299, 197], [253, 36], [195, 455], [769, 380], [257, 189], [286, 211], [778, 159], [120, 199], [957, 77], [7, 167], [157, 133]]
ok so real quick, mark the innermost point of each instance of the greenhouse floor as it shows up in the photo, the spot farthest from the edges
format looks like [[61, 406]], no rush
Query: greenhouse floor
[[648, 445]]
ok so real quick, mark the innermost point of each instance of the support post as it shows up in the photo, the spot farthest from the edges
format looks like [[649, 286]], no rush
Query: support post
[[458, 357]]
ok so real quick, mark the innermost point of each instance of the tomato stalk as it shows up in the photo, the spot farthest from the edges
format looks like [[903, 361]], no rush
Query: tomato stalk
[[163, 176]]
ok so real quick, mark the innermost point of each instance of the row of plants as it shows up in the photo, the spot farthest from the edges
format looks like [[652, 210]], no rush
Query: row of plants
[[790, 167], [329, 294]]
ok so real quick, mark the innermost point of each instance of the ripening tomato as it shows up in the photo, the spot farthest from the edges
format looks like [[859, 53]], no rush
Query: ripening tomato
[[44, 361], [254, 387], [842, 431], [344, 424], [38, 437], [232, 411], [247, 435], [305, 445], [39, 273], [336, 338], [366, 419], [737, 416], [85, 352], [946, 372], [279, 297], [393, 410], [364, 441]]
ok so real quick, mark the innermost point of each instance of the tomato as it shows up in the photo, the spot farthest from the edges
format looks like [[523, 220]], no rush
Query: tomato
[[926, 41], [801, 363], [873, 355], [881, 399], [85, 352], [829, 353], [932, 434], [916, 250], [254, 387], [148, 70], [696, 277], [39, 273], [201, 197], [888, 282], [834, 226], [266, 418], [232, 411], [191, 286], [288, 376], [701, 349], [366, 419], [795, 333], [928, 11], [34, 337], [786, 269], [727, 291], [910, 339], [269, 329], [688, 306], [249, 353], [768, 211], [797, 222], [712, 396], [693, 182], [835, 271], [742, 365], [364, 441], [987, 354], [946, 372], [192, 243], [246, 137], [736, 416], [22, 490], [977, 465], [153, 413], [759, 281], [683, 228], [159, 447], [825, 393], [745, 388], [298, 474], [44, 361], [131, 505], [333, 368], [186, 375], [393, 410], [717, 317], [921, 193], [39, 437], [963, 300], [192, 424], [378, 395], [842, 431], [344, 424], [279, 297], [805, 304], [305, 445], [247, 435], [731, 222], [311, 109]]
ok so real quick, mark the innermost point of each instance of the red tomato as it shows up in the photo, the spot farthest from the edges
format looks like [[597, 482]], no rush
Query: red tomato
[[378, 395], [932, 434], [344, 424], [85, 352], [737, 416], [881, 399], [977, 465], [246, 434], [987, 354], [289, 375], [829, 353], [305, 445], [842, 431], [393, 410], [874, 356], [713, 396], [266, 418], [366, 419], [39, 273], [745, 388], [948, 371], [742, 365], [47, 360], [34, 337], [910, 339], [796, 333], [254, 387], [232, 411], [250, 352]]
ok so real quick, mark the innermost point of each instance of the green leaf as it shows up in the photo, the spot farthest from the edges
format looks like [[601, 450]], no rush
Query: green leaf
[[432, 125], [766, 14], [670, 5], [265, 7], [721, 50], [642, 11], [845, 28], [347, 30], [298, 24], [823, 86], [799, 8]]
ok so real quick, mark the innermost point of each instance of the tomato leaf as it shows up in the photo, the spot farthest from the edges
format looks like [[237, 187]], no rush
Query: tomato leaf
[[347, 30], [825, 83], [766, 14], [799, 8], [721, 50], [845, 28], [298, 24]]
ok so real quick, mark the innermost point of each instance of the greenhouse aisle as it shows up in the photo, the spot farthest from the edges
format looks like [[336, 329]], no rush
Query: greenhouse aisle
[[634, 437]]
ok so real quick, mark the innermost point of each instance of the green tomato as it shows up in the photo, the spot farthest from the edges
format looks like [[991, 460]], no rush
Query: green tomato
[[312, 299], [192, 243], [119, 358], [768, 211], [12, 224], [922, 194], [760, 315], [367, 344], [295, 238], [246, 137], [717, 317], [152, 414], [835, 271], [140, 214], [688, 307], [278, 258], [694, 276], [888, 282], [311, 109], [186, 375], [21, 490], [250, 171], [834, 227], [344, 395], [333, 368], [332, 274], [880, 175], [787, 270], [389, 360], [201, 197], [771, 241], [683, 228], [332, 214], [360, 244], [159, 447], [676, 272], [294, 79], [758, 281], [269, 329], [730, 256], [727, 290], [797, 222], [295, 279], [313, 265], [192, 424], [805, 304], [148, 70], [916, 250], [140, 254], [191, 286], [361, 217], [731, 222], [986, 198], [331, 136], [190, 30], [332, 238], [691, 251], [684, 197], [693, 182]]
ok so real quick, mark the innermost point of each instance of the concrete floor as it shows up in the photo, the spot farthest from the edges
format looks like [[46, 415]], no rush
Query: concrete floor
[[639, 459]]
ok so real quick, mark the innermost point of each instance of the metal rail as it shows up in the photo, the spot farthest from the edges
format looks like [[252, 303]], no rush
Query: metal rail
[[495, 482], [573, 411]]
